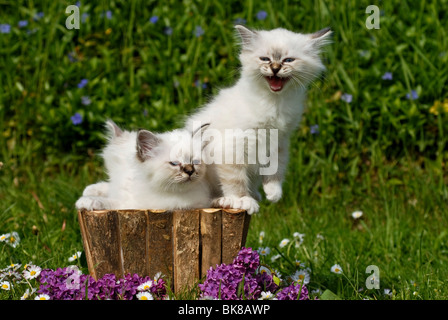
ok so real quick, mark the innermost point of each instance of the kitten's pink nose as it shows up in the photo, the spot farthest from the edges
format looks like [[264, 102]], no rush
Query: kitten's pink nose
[[189, 169]]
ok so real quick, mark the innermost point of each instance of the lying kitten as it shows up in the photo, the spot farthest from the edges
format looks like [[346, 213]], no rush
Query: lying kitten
[[149, 171], [277, 67]]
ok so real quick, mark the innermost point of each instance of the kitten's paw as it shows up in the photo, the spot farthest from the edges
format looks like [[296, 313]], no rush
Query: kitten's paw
[[91, 203], [249, 204], [273, 191], [99, 189], [244, 203]]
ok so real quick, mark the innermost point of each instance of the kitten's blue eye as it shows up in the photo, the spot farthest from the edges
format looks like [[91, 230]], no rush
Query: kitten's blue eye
[[289, 60], [265, 59], [196, 162], [174, 163]]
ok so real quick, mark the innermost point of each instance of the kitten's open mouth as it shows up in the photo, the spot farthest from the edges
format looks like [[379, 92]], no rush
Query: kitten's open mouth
[[276, 83]]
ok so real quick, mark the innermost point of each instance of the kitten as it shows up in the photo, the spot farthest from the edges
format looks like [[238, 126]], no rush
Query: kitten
[[277, 67], [150, 171]]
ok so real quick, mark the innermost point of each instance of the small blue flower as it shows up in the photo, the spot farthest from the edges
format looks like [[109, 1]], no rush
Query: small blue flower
[[154, 19], [5, 28], [261, 15], [38, 15], [78, 3], [72, 57], [347, 97], [83, 83], [413, 95], [85, 100], [168, 31], [314, 129], [240, 21], [198, 31], [84, 17], [109, 14], [23, 23], [76, 119], [387, 76]]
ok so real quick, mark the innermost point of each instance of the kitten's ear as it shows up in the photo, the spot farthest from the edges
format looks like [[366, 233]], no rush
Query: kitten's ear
[[321, 38], [246, 35], [113, 129], [146, 142]]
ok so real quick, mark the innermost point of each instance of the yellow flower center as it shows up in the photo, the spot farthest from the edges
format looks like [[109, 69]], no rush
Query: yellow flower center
[[42, 298], [337, 270], [32, 273], [301, 277], [12, 239], [144, 298], [5, 286]]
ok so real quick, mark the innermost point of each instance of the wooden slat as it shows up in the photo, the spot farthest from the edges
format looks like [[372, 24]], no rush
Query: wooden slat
[[235, 224], [133, 241], [160, 242], [186, 248], [210, 239], [101, 230]]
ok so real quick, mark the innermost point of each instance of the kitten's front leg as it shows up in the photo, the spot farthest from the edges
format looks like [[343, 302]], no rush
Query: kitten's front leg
[[95, 203], [235, 189], [99, 189], [273, 180]]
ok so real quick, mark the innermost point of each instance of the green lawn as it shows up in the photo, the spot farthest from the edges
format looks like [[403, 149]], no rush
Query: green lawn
[[384, 152]]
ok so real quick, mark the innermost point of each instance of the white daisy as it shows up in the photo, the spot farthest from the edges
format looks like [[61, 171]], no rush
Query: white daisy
[[267, 296], [357, 214], [74, 257], [283, 243], [276, 257], [42, 297], [301, 276], [32, 272], [261, 237], [145, 286], [27, 294], [264, 251], [3, 237], [5, 285], [336, 269], [144, 296]]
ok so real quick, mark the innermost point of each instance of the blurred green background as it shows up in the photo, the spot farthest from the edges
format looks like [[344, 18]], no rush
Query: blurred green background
[[373, 138]]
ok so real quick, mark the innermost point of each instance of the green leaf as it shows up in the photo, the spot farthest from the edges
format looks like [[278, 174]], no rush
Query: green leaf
[[328, 295]]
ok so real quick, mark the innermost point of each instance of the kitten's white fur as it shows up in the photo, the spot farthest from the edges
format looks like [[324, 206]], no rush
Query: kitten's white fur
[[254, 103], [141, 176]]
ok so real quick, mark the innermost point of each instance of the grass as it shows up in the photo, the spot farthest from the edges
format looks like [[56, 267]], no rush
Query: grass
[[381, 153]]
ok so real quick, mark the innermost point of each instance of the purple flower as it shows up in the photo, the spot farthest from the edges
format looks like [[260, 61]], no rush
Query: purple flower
[[23, 23], [109, 14], [387, 76], [83, 83], [413, 95], [198, 31], [168, 31], [292, 292], [65, 284], [5, 28], [347, 97], [154, 19], [261, 15], [314, 129], [76, 119]]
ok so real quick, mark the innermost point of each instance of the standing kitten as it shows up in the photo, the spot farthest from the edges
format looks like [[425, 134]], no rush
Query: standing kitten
[[277, 67], [149, 171]]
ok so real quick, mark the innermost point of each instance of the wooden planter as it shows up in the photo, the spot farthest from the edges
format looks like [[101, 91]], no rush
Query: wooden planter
[[182, 244]]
